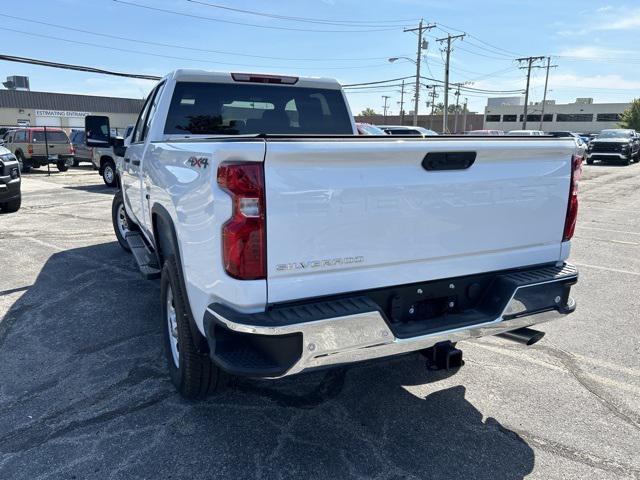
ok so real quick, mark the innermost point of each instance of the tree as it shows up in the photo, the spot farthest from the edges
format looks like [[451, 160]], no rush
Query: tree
[[630, 118], [368, 112]]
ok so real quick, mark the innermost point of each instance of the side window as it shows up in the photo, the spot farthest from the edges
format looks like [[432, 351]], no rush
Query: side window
[[137, 131], [152, 111]]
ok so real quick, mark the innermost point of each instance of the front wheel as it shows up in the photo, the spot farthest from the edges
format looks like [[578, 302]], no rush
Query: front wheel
[[11, 206], [589, 161], [192, 373], [109, 173], [122, 224]]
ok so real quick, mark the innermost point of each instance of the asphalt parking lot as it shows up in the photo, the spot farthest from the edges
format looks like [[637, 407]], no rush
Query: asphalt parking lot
[[84, 392]]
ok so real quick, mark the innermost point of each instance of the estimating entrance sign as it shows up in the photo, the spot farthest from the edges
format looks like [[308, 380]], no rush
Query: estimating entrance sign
[[61, 113]]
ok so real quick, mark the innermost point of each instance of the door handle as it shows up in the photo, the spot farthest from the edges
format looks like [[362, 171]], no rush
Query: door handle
[[136, 162], [127, 159], [448, 160]]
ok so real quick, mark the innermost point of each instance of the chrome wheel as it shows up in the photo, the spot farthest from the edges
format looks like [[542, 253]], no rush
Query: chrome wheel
[[172, 325], [108, 174], [123, 224]]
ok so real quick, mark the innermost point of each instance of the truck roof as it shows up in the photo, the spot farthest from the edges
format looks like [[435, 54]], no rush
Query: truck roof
[[192, 75]]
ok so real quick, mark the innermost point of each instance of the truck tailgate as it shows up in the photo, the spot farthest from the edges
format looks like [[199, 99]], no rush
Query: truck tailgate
[[346, 215]]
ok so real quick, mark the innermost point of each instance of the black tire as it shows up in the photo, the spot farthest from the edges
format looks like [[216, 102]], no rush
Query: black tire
[[62, 165], [11, 206], [121, 221], [109, 175], [76, 162], [589, 161], [23, 168], [195, 376]]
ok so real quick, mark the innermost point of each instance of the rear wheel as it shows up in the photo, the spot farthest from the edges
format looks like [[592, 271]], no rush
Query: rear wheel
[[192, 373], [109, 173], [122, 224], [62, 165]]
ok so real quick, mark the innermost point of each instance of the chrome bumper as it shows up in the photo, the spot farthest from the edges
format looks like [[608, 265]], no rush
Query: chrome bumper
[[619, 156], [368, 335]]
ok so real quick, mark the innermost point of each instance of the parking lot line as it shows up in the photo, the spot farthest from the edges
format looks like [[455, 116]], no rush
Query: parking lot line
[[608, 230], [608, 269]]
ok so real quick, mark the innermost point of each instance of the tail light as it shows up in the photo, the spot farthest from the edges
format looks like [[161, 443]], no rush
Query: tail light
[[30, 149], [72, 149], [244, 235], [572, 206]]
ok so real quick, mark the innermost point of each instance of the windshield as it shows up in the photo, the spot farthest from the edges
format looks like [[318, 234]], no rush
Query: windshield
[[52, 136], [615, 134], [233, 109]]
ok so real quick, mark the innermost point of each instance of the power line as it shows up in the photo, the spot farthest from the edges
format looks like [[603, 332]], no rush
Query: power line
[[347, 85], [173, 57], [184, 47], [244, 24], [80, 68], [301, 19]]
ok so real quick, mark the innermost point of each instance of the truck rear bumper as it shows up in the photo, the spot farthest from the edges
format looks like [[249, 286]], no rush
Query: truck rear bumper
[[290, 339]]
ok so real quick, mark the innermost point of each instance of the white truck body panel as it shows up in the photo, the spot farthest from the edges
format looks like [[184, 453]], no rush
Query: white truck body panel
[[373, 201]]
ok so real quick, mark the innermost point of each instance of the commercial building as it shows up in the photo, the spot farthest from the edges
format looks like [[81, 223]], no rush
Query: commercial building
[[27, 108], [582, 116]]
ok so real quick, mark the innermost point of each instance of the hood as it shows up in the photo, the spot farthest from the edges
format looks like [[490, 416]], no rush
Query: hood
[[611, 140]]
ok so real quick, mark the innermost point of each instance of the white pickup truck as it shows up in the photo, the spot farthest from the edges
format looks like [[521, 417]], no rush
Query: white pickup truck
[[285, 242]]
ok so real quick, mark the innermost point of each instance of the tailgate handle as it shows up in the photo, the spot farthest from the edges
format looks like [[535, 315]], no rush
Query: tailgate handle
[[448, 160]]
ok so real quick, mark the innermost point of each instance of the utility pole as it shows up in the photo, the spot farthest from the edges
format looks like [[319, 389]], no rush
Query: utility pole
[[384, 107], [448, 39], [529, 61], [464, 116], [401, 103], [421, 45], [455, 121], [433, 94], [546, 83]]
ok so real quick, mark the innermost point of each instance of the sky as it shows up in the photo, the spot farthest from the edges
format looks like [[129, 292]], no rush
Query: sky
[[595, 45]]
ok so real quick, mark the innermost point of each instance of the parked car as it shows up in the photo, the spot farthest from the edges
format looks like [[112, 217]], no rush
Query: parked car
[[30, 148], [525, 133], [576, 136], [10, 195], [484, 132], [359, 261], [105, 160], [82, 152], [407, 131], [616, 144], [368, 129]]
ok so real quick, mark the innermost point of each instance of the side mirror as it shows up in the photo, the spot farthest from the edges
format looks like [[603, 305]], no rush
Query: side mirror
[[118, 147], [96, 131]]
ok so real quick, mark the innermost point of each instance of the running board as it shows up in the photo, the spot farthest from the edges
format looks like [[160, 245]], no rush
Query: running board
[[145, 258]]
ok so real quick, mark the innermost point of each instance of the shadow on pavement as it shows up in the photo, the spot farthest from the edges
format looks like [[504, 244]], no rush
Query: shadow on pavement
[[93, 188], [85, 394]]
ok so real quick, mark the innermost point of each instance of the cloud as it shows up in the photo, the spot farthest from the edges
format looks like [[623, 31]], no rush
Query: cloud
[[620, 20], [592, 52], [611, 81]]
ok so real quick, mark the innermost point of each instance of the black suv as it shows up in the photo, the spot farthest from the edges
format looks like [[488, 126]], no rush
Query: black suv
[[618, 144], [10, 196]]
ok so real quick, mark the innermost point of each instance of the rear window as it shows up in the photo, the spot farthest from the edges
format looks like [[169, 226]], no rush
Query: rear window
[[53, 137], [232, 109]]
